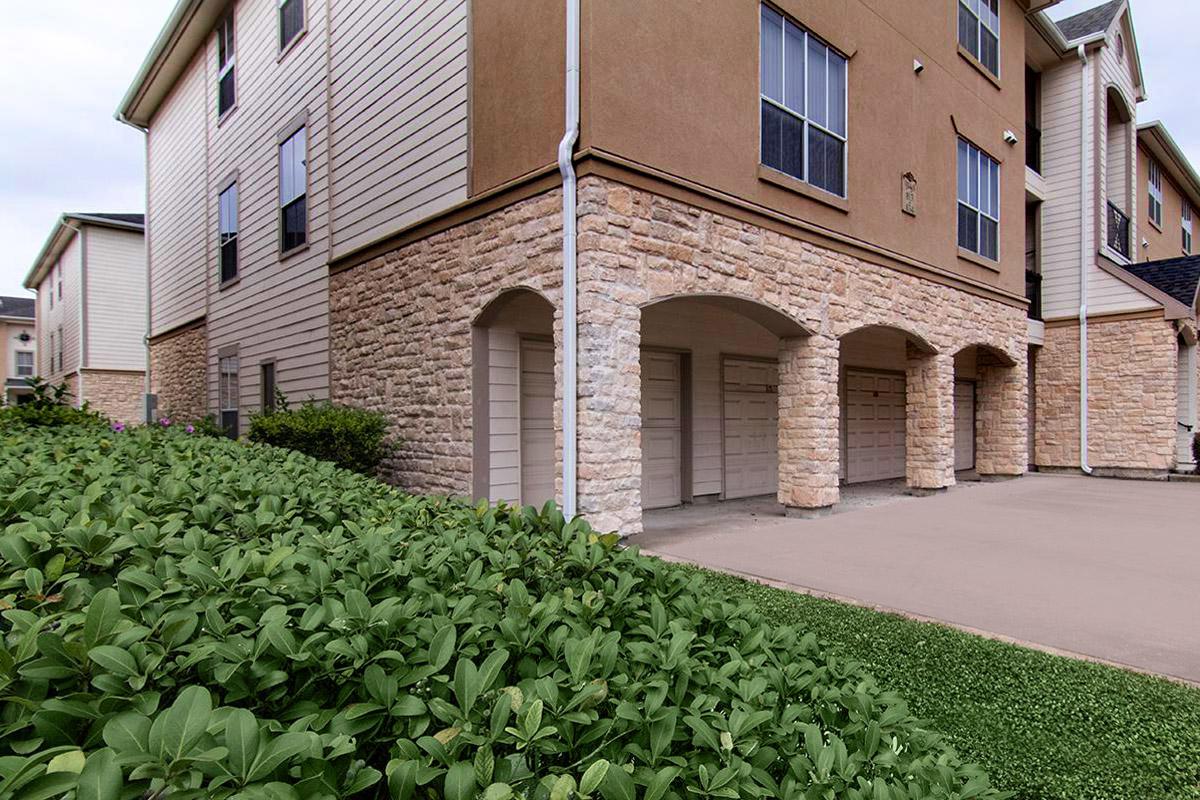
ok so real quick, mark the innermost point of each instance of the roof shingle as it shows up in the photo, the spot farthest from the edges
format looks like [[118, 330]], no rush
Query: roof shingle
[[128, 219], [16, 307], [1086, 23], [1178, 277]]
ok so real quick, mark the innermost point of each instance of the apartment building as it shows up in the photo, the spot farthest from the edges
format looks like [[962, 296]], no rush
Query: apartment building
[[19, 351], [90, 279], [1112, 358]]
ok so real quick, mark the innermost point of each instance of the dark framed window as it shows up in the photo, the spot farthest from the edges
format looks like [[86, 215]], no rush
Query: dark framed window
[[59, 352], [1187, 227], [267, 380], [293, 190], [1156, 194], [227, 394], [802, 97], [291, 21], [227, 231], [978, 201], [226, 64], [979, 31], [24, 363]]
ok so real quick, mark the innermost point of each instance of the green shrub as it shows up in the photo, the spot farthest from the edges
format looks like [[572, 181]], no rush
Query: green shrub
[[49, 406], [350, 437], [192, 617]]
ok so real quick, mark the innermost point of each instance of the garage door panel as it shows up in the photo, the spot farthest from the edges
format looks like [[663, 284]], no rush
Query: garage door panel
[[964, 425], [662, 430], [537, 422], [875, 422], [751, 419]]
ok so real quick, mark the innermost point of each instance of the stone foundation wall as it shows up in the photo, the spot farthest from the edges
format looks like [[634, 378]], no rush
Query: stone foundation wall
[[178, 374], [1131, 396], [119, 395], [401, 337]]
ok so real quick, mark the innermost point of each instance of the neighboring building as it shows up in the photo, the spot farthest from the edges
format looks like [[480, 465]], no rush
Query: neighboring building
[[19, 352], [90, 278], [1092, 188]]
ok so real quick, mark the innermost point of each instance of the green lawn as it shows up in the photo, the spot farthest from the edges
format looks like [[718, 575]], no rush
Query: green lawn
[[1043, 726]]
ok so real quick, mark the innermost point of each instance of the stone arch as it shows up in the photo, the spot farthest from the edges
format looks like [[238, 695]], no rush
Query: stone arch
[[917, 341], [765, 314], [516, 396], [991, 402]]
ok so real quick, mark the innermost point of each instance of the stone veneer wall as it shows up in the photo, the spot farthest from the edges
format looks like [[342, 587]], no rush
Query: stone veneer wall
[[1131, 396], [178, 372], [401, 337], [118, 394]]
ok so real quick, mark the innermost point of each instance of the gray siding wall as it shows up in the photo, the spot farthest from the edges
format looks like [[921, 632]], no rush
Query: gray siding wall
[[116, 299], [64, 315], [383, 85]]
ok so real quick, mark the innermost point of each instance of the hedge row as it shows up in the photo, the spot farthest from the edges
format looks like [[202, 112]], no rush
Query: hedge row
[[193, 617]]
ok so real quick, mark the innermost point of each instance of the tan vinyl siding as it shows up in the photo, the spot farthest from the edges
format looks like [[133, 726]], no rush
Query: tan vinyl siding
[[399, 109], [504, 429], [277, 309], [65, 314], [1061, 100], [176, 211], [116, 299]]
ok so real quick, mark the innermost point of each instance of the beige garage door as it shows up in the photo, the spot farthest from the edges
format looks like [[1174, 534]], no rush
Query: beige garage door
[[751, 428], [874, 426], [662, 430], [964, 425], [537, 422]]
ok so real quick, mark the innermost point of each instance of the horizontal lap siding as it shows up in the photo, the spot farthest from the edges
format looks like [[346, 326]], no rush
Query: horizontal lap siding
[[278, 309], [1061, 100], [176, 174], [399, 109], [116, 299]]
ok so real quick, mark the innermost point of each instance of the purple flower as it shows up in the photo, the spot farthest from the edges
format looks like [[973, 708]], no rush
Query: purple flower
[[118, 427], [190, 429], [166, 423]]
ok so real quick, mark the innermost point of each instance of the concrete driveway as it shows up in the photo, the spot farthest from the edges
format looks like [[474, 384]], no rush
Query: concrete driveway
[[1105, 569]]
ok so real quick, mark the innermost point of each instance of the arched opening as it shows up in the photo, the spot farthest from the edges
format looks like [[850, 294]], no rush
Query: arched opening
[[710, 388], [1118, 171], [877, 364], [991, 417], [514, 389]]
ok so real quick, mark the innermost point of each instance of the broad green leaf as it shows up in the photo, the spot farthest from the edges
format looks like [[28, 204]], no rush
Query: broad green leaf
[[101, 778], [128, 733], [460, 781], [177, 729], [71, 761], [442, 647], [114, 660], [104, 612], [241, 738]]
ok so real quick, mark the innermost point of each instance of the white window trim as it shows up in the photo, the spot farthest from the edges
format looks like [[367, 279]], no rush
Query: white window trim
[[32, 366], [233, 185], [285, 46], [981, 26], [803, 116], [1156, 195], [980, 213], [231, 62]]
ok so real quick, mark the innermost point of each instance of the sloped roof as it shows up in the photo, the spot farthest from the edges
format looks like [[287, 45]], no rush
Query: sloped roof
[[129, 219], [1178, 277], [1094, 20], [16, 307]]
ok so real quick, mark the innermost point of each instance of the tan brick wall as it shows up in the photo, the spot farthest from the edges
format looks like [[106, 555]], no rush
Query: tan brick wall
[[401, 336], [118, 395], [1131, 396], [178, 369]]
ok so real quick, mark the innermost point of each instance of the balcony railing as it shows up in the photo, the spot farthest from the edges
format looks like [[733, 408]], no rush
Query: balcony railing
[[1118, 230], [1033, 293], [1033, 147]]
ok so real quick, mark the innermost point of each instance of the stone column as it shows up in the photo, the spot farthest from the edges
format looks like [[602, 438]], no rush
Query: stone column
[[1001, 417], [929, 432], [609, 411], [809, 419]]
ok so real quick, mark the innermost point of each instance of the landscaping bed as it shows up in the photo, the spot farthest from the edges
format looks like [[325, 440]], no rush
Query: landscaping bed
[[185, 616]]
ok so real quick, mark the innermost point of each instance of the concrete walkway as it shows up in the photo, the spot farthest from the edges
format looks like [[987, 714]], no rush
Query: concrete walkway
[[1106, 569]]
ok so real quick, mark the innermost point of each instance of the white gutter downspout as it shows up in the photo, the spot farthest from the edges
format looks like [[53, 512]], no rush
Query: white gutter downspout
[[1083, 267], [570, 317], [146, 381]]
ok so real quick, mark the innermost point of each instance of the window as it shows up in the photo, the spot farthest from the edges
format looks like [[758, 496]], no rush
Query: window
[[291, 21], [226, 58], [227, 231], [803, 104], [59, 289], [268, 387], [53, 280], [24, 364], [979, 31], [227, 390], [51, 351], [978, 201], [1187, 228], [293, 188], [59, 351], [1156, 199]]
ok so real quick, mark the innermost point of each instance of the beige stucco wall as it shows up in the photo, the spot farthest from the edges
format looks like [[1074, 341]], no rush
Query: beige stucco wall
[[177, 373], [1131, 395], [407, 350]]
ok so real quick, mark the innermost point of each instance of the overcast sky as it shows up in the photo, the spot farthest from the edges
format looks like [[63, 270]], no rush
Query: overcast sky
[[65, 64]]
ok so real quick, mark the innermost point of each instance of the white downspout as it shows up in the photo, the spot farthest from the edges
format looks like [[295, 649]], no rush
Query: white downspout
[[1083, 266], [566, 149]]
